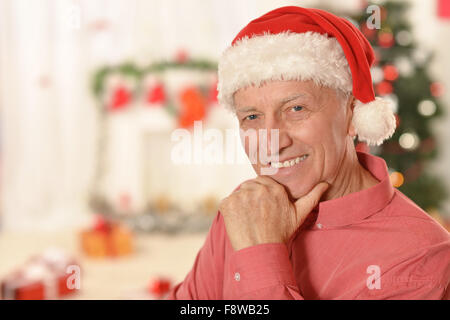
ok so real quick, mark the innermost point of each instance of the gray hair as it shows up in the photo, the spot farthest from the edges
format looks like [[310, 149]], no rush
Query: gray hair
[[343, 96]]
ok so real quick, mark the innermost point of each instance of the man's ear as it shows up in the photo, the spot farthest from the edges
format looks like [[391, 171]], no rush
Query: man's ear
[[350, 107]]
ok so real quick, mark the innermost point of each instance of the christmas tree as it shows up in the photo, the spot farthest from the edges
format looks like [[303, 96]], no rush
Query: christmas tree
[[401, 73]]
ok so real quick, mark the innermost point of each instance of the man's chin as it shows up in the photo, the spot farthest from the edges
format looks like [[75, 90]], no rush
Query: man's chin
[[297, 192], [294, 190]]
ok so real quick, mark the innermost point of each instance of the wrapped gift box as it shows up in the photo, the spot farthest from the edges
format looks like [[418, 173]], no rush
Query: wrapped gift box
[[107, 239], [42, 277]]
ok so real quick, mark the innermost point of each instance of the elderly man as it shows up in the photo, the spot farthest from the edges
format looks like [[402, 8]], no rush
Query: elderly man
[[327, 224]]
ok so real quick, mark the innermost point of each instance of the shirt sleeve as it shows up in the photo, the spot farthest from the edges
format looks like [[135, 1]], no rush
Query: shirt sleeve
[[262, 272], [205, 280]]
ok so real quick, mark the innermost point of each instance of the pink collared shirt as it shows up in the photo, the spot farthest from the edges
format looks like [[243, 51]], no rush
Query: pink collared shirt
[[371, 244]]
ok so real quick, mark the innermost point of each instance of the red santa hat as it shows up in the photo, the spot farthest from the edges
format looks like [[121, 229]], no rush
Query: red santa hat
[[294, 43]]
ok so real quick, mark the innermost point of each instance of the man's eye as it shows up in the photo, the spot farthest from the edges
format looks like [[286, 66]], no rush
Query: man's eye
[[251, 117], [297, 108]]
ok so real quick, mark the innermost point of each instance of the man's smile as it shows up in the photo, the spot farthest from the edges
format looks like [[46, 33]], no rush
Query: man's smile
[[289, 162]]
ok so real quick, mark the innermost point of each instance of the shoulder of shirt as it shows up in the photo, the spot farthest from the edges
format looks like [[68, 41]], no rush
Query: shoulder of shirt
[[418, 227]]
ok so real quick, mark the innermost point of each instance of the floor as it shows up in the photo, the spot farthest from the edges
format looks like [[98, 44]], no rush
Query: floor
[[164, 255]]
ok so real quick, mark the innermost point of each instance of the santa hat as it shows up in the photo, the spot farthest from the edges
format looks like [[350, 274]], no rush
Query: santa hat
[[294, 43]]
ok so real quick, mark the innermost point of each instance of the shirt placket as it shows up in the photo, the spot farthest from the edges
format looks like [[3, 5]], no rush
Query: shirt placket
[[310, 219]]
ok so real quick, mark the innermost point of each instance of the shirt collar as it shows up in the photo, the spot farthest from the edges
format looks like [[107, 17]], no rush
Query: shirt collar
[[357, 206]]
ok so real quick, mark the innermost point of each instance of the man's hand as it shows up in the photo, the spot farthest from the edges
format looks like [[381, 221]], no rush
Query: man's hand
[[260, 212]]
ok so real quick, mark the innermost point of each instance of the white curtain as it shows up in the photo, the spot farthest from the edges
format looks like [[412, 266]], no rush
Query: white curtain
[[47, 118]]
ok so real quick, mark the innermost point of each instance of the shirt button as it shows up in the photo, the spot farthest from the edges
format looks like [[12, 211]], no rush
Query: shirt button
[[237, 276], [319, 225]]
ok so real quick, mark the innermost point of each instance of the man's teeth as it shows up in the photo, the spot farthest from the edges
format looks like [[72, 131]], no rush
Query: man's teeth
[[288, 163]]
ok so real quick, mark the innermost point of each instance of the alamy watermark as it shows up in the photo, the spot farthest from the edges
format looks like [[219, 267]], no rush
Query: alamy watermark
[[213, 146], [374, 280], [73, 281], [374, 20], [71, 16]]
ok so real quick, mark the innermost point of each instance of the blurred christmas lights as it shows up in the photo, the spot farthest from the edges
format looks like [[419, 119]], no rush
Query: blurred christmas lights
[[426, 108], [409, 141]]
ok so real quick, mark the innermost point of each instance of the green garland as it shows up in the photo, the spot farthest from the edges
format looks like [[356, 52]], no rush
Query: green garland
[[129, 69]]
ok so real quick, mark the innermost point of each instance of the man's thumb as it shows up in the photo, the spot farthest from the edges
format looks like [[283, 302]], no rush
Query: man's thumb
[[305, 204]]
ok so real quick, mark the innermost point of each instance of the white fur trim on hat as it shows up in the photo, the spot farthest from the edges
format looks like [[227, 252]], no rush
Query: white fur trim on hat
[[282, 56], [374, 121]]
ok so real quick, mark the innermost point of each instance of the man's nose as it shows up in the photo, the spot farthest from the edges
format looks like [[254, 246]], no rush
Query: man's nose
[[277, 138]]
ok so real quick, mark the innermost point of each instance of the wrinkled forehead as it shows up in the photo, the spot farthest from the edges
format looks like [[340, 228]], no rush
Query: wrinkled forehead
[[279, 92]]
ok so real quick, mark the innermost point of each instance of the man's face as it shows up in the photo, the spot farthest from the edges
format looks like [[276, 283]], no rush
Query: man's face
[[313, 125]]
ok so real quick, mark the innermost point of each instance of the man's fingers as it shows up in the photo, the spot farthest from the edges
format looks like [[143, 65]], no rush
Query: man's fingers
[[247, 184], [260, 180], [305, 204], [269, 182]]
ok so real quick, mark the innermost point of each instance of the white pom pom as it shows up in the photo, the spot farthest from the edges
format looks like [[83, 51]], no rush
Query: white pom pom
[[374, 121]]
